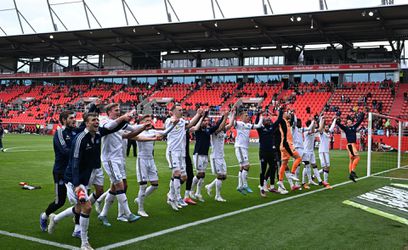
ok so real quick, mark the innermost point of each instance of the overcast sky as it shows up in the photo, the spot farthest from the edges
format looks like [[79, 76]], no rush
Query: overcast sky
[[110, 12]]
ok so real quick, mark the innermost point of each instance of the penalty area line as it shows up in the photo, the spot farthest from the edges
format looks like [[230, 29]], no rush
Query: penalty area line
[[41, 241], [221, 216]]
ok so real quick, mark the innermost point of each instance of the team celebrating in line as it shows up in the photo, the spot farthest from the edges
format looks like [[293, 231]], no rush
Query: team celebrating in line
[[81, 151]]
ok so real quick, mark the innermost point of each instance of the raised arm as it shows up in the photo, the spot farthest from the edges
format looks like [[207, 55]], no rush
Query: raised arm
[[173, 123], [195, 119], [279, 120], [259, 124], [231, 121], [310, 129], [136, 132], [293, 121], [340, 125], [146, 138], [321, 124], [223, 122], [331, 129], [198, 125], [217, 125], [359, 121]]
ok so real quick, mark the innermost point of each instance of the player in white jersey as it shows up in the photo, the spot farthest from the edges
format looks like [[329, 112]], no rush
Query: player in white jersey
[[146, 170], [324, 133], [176, 153], [113, 162], [297, 133], [217, 161], [309, 155], [243, 128]]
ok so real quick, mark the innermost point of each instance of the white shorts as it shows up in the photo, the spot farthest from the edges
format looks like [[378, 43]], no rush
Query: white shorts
[[200, 162], [310, 157], [242, 156], [177, 161], [301, 152], [146, 170], [72, 196], [97, 177], [115, 170], [324, 159], [218, 166]]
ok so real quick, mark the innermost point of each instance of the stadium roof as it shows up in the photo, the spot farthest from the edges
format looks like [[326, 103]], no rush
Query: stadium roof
[[382, 23]]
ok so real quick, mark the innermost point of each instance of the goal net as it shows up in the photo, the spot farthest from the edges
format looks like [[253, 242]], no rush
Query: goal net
[[387, 146]]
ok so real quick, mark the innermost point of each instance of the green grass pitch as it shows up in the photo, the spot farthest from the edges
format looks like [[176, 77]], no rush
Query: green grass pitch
[[318, 220]]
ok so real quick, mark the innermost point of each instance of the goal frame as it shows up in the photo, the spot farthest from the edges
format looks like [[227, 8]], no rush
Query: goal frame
[[370, 134]]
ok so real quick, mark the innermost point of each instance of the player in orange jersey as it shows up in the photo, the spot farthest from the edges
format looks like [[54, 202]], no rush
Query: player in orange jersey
[[287, 150]]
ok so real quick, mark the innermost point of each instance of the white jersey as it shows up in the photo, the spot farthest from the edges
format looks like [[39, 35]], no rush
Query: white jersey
[[325, 137], [243, 130], [176, 138], [324, 142], [309, 142], [145, 149], [217, 145], [112, 144], [297, 137]]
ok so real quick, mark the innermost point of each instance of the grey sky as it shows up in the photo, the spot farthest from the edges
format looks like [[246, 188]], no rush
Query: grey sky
[[110, 12]]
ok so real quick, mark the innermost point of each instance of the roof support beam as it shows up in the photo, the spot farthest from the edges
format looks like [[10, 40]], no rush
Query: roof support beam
[[126, 6], [83, 59]]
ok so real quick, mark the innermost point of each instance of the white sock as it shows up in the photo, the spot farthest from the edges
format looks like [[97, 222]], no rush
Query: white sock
[[176, 185], [194, 184], [67, 212], [141, 196], [77, 226], [122, 199], [200, 185], [84, 223], [287, 174], [218, 185], [304, 174], [309, 172], [150, 190], [110, 198], [326, 176], [297, 172], [240, 179], [321, 171], [245, 178], [187, 194], [172, 191], [265, 184], [103, 196], [317, 174], [212, 184]]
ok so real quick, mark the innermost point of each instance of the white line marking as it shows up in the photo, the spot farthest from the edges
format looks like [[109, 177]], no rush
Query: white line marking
[[221, 216], [391, 178], [45, 242]]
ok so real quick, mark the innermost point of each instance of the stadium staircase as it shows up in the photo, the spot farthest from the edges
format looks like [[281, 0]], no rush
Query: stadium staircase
[[400, 106]]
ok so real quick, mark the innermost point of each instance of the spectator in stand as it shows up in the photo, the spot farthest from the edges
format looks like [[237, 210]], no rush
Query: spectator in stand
[[405, 96], [380, 107], [308, 110]]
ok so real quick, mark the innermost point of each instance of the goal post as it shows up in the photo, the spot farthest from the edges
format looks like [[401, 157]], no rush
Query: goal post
[[387, 143]]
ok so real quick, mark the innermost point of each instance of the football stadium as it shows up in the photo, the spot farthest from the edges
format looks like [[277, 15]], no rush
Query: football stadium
[[274, 130]]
